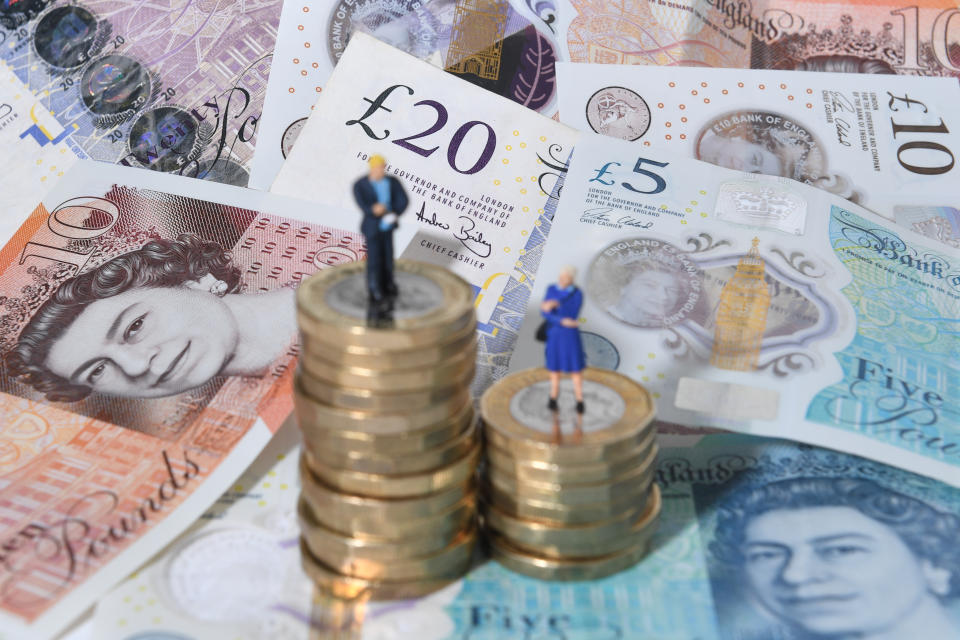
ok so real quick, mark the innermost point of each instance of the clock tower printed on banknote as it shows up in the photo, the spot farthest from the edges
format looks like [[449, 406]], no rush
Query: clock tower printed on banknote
[[742, 315]]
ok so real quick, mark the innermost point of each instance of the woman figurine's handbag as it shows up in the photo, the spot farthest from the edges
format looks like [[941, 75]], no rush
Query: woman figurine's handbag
[[541, 334]]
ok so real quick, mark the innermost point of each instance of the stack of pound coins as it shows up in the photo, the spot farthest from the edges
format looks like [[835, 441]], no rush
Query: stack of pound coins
[[568, 495], [390, 441]]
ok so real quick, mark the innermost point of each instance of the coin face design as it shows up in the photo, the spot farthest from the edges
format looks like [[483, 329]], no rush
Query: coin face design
[[290, 135], [114, 84], [645, 282], [604, 406], [418, 296], [163, 139], [618, 112], [64, 37], [600, 352]]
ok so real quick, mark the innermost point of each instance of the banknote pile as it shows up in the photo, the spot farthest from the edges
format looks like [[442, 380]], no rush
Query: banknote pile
[[388, 505], [760, 199], [569, 495]]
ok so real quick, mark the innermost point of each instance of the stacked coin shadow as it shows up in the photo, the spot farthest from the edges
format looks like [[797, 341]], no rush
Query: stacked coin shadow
[[390, 441], [569, 495]]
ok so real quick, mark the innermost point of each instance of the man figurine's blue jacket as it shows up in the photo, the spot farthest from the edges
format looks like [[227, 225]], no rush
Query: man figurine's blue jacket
[[366, 197]]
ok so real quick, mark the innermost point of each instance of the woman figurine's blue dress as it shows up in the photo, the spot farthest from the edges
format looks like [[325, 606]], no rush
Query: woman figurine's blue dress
[[564, 350]]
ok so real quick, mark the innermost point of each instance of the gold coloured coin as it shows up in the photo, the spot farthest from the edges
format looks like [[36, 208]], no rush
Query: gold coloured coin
[[433, 305], [551, 511], [377, 485], [352, 398], [347, 588], [502, 461], [557, 569], [453, 559], [419, 462], [356, 443], [445, 523], [316, 417], [635, 481], [375, 516], [516, 417], [453, 372], [326, 543], [576, 541], [390, 359], [544, 568], [570, 454]]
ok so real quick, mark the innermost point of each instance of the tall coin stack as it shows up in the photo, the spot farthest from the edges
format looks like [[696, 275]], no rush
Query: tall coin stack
[[568, 495], [388, 505]]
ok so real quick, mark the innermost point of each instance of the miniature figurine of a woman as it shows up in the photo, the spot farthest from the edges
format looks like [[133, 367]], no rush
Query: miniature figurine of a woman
[[564, 350]]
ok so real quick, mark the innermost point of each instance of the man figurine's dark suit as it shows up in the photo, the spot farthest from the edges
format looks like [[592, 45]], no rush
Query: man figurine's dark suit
[[382, 199]]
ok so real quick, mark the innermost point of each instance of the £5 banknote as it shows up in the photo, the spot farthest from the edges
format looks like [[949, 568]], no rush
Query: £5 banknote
[[760, 304]]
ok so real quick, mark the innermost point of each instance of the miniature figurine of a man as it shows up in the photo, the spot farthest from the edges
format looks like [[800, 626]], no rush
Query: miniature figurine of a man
[[382, 200]]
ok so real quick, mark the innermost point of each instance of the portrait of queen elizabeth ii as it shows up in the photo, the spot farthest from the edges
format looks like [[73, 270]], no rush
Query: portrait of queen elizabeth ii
[[834, 558], [157, 321]]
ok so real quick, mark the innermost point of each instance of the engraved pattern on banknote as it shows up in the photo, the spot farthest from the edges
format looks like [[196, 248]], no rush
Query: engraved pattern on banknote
[[618, 112], [765, 206], [644, 282], [897, 401], [476, 39], [100, 65]]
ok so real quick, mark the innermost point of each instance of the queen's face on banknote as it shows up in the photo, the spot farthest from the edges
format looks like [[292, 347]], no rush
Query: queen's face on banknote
[[841, 558], [649, 296], [154, 322], [740, 154], [758, 141]]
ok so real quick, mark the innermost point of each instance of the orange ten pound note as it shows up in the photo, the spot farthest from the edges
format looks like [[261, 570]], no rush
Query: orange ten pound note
[[148, 334]]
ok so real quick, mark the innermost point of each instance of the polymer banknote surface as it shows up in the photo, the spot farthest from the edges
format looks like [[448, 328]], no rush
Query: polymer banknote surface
[[882, 141], [758, 539], [174, 86], [148, 336], [858, 36], [759, 304], [501, 46], [478, 167], [32, 149]]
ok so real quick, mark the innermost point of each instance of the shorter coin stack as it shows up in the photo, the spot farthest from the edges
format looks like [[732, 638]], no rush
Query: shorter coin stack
[[388, 503], [568, 495]]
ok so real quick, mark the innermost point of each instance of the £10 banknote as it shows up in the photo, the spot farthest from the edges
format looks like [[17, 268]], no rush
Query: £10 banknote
[[138, 377], [881, 141], [857, 36], [759, 304]]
